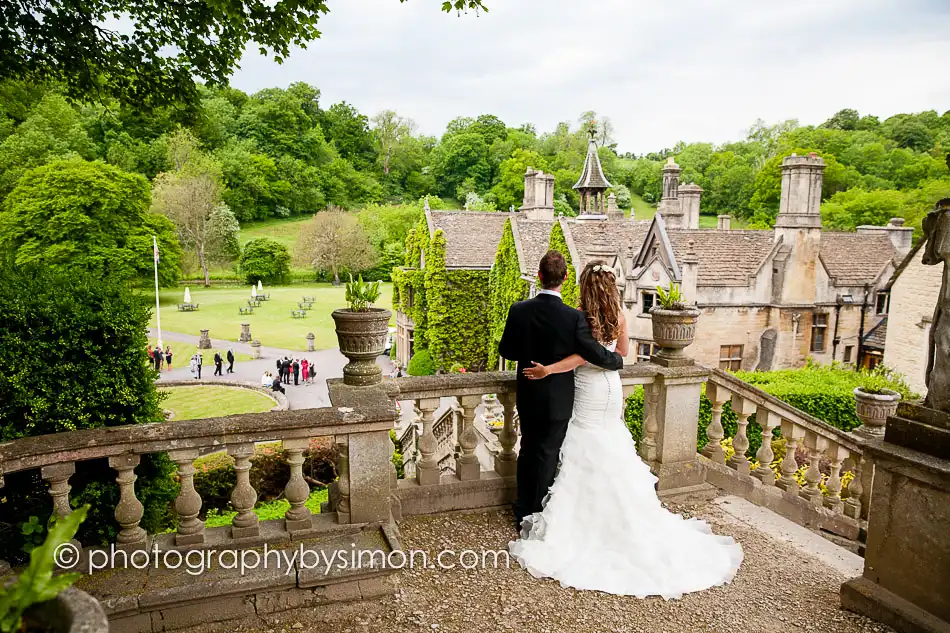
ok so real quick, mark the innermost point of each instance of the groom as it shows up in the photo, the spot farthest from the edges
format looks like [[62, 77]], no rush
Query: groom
[[545, 330]]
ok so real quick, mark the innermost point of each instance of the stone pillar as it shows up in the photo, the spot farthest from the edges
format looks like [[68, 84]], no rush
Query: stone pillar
[[191, 530], [205, 341], [724, 222], [370, 460], [243, 498], [256, 349], [740, 443], [689, 196], [129, 510], [467, 466], [815, 445], [339, 493], [245, 333], [57, 476], [714, 432], [506, 462], [793, 437], [310, 338], [837, 454], [427, 468], [677, 416], [297, 491], [768, 421]]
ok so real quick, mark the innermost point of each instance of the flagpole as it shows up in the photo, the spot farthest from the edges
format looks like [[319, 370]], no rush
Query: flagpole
[[158, 309]]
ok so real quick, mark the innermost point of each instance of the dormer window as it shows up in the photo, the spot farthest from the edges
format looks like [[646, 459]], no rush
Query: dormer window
[[883, 304], [647, 301]]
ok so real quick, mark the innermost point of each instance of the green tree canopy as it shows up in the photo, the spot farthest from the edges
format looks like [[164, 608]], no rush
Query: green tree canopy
[[265, 260], [90, 216]]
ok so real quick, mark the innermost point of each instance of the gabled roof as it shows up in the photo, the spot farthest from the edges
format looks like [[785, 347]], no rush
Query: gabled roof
[[592, 176], [876, 336], [604, 239], [532, 238], [726, 258], [855, 259], [471, 237]]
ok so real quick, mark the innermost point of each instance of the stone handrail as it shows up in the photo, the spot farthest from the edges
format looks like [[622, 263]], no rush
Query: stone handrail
[[362, 441], [802, 432]]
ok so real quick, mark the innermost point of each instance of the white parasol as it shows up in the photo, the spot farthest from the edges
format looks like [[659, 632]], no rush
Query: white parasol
[[254, 292], [187, 295], [260, 287]]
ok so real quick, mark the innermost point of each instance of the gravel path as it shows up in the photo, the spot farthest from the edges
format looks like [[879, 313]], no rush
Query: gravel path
[[777, 590]]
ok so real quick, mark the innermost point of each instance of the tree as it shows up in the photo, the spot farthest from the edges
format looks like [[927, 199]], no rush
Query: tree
[[332, 240], [846, 119], [88, 216], [349, 131], [170, 45], [189, 197], [94, 327], [391, 130], [265, 260], [510, 188]]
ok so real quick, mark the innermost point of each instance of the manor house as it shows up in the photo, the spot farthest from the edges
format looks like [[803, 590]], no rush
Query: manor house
[[770, 299]]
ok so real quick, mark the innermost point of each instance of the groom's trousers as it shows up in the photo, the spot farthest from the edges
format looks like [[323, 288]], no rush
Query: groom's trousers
[[537, 462]]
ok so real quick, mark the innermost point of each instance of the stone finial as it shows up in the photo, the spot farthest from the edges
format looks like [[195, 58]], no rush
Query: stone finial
[[205, 341], [310, 339], [256, 349], [724, 222], [245, 333]]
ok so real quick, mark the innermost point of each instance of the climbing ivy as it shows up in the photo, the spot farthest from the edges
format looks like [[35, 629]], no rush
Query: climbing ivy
[[559, 243], [506, 287], [436, 282]]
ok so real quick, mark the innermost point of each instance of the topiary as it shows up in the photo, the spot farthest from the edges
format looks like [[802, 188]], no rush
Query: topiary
[[265, 260], [421, 364]]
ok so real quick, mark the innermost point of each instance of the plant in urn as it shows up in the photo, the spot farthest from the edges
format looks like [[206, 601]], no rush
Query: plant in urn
[[674, 327], [361, 331]]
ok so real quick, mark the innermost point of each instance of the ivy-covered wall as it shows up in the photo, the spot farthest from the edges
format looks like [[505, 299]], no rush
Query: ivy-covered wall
[[506, 288], [559, 243]]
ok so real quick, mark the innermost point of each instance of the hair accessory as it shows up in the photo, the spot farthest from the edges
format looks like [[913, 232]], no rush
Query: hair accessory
[[597, 268]]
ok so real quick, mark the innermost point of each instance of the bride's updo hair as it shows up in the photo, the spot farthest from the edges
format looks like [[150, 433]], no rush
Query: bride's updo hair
[[600, 299]]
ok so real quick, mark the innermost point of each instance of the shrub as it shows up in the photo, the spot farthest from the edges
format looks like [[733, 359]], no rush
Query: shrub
[[421, 364], [397, 456], [265, 260]]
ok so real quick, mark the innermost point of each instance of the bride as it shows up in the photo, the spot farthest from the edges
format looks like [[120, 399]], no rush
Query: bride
[[602, 526]]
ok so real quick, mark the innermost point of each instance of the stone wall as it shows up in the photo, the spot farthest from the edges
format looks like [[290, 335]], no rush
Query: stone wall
[[913, 298]]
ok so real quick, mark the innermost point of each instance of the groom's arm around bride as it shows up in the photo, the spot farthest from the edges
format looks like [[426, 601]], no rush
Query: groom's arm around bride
[[545, 330]]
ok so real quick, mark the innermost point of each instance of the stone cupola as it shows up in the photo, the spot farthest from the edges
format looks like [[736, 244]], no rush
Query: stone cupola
[[591, 185]]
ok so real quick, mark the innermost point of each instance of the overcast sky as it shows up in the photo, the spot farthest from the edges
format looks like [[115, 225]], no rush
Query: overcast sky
[[693, 70]]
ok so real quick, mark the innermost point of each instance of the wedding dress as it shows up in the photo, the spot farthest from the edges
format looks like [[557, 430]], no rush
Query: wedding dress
[[602, 526]]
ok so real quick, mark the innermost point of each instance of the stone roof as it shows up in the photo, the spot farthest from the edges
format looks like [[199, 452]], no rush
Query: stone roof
[[534, 237], [592, 176], [471, 237], [876, 336], [591, 238], [855, 259], [725, 257]]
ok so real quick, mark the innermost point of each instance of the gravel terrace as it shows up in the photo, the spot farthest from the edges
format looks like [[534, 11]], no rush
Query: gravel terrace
[[778, 589]]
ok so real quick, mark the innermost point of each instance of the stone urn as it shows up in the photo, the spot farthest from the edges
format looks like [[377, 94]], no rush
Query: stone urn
[[72, 611], [362, 337], [673, 331], [873, 409]]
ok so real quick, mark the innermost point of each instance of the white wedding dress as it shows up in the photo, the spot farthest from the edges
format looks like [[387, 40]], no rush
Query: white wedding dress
[[602, 526]]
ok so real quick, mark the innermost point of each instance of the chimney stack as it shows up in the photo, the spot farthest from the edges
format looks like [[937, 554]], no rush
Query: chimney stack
[[689, 196], [538, 195], [613, 213], [800, 205], [669, 207], [901, 236], [724, 222]]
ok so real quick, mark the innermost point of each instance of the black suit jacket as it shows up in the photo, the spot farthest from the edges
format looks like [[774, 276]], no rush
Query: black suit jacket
[[545, 330]]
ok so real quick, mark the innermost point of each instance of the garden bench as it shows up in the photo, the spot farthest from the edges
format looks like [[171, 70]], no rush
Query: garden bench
[[187, 307], [310, 299], [298, 314], [263, 297], [247, 310], [253, 303], [305, 305]]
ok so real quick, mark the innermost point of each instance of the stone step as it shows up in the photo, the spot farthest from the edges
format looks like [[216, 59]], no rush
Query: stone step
[[206, 584], [690, 494]]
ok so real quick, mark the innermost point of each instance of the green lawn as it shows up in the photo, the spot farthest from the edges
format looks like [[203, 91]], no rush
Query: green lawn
[[642, 209], [283, 230], [271, 323], [211, 401]]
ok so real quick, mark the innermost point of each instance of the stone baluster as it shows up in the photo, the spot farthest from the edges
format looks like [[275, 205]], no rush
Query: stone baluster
[[297, 491], [243, 497], [4, 565], [467, 466], [793, 436], [743, 408], [340, 489], [129, 511], [718, 396], [648, 443], [837, 454], [191, 529], [815, 445], [57, 476], [852, 505], [768, 421], [506, 462], [427, 469]]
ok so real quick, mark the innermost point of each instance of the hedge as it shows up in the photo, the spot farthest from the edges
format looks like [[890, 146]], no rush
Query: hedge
[[506, 287], [569, 291]]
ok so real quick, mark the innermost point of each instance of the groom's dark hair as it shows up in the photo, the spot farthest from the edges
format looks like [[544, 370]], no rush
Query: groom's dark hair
[[552, 270]]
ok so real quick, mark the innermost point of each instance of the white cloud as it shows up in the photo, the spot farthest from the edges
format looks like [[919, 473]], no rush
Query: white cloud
[[691, 70]]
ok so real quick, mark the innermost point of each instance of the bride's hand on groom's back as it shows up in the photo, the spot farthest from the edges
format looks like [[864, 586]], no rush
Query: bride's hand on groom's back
[[536, 371]]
